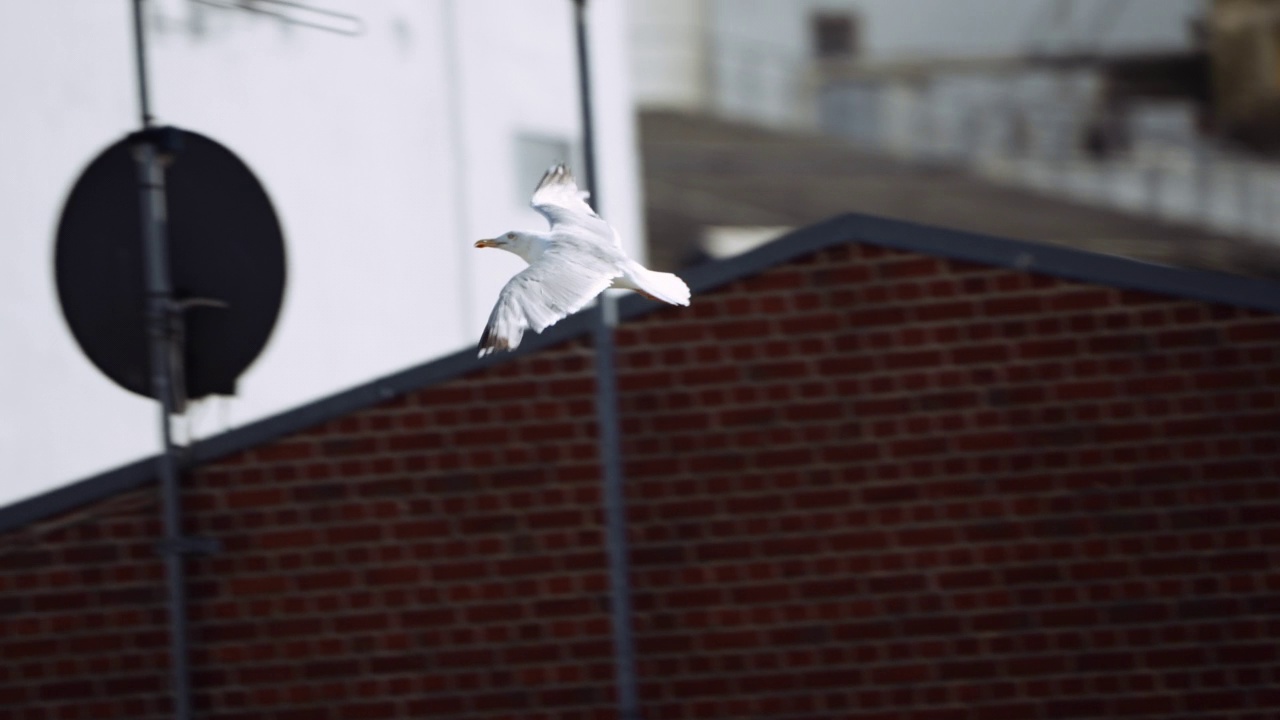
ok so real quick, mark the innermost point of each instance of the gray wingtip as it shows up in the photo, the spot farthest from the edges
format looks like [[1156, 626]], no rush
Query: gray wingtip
[[557, 174], [491, 342]]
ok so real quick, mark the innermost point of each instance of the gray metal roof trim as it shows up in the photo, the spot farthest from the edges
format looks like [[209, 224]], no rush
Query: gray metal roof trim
[[1052, 260], [143, 472], [77, 494], [435, 372], [718, 273], [1065, 262]]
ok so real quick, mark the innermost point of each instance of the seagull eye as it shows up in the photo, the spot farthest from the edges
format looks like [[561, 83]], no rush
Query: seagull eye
[[511, 236]]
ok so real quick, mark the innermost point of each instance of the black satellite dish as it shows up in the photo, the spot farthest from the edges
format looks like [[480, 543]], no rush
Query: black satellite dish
[[226, 261]]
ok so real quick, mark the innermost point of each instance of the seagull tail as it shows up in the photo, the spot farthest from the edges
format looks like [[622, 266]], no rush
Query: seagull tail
[[663, 286]]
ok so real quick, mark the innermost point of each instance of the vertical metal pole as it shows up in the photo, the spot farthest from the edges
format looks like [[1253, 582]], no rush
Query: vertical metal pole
[[140, 55], [615, 514], [584, 89], [164, 352], [160, 334], [615, 504]]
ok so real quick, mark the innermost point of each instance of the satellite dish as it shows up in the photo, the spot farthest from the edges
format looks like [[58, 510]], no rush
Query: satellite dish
[[226, 260]]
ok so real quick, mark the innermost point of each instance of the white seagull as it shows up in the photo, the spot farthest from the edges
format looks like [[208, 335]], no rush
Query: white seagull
[[579, 258]]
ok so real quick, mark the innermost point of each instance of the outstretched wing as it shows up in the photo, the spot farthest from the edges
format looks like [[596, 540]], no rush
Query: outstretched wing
[[560, 201], [558, 284]]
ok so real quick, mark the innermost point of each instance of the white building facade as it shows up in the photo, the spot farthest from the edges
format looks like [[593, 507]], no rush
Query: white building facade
[[386, 155]]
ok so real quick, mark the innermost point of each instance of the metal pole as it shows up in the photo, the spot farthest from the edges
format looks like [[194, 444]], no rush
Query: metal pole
[[140, 53], [162, 328], [584, 89], [161, 336], [615, 515], [615, 502]]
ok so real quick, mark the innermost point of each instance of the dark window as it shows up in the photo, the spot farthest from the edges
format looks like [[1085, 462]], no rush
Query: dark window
[[835, 36]]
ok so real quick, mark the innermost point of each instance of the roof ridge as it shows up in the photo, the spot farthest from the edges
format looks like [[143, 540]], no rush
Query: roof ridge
[[1058, 261]]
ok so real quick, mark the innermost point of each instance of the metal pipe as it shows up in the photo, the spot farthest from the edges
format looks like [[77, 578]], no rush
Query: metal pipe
[[161, 336], [584, 90], [615, 501], [162, 331], [615, 514], [140, 53]]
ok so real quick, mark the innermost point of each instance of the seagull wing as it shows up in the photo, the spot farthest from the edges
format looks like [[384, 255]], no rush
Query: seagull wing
[[560, 201], [560, 283]]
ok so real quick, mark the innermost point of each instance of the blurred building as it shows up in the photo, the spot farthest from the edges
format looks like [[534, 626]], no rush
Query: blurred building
[[386, 153], [1245, 46], [767, 60], [714, 188], [874, 470], [1115, 106]]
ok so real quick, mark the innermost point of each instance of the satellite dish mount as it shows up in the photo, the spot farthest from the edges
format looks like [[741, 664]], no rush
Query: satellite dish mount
[[169, 263]]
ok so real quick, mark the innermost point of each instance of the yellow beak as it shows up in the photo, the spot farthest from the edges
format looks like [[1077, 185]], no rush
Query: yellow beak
[[486, 243]]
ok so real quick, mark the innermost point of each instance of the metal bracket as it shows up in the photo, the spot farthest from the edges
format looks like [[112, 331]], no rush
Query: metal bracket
[[165, 139]]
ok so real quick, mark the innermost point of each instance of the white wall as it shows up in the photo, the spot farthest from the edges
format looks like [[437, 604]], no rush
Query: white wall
[[386, 156], [669, 42]]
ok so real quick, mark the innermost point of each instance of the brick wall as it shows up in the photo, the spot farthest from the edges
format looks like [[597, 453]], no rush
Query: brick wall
[[866, 483]]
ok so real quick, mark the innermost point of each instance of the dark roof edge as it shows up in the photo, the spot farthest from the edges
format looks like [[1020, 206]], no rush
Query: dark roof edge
[[143, 472], [371, 393], [1059, 261], [1053, 260], [78, 494], [1068, 263]]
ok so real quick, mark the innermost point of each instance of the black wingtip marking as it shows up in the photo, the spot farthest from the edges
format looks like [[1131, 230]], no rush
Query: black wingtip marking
[[557, 174], [491, 342]]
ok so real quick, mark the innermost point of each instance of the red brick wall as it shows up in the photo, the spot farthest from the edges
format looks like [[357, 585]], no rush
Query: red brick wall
[[864, 484]]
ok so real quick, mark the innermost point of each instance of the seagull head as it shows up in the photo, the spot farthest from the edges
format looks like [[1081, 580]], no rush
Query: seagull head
[[526, 245], [502, 242]]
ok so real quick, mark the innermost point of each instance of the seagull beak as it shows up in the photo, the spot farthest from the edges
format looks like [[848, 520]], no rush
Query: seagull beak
[[486, 243]]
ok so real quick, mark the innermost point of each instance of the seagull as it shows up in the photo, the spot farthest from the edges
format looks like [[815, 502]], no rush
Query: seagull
[[579, 258]]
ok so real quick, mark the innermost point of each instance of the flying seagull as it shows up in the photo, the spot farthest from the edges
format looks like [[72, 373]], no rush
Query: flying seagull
[[579, 258]]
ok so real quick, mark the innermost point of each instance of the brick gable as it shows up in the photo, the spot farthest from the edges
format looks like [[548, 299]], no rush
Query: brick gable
[[864, 482]]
